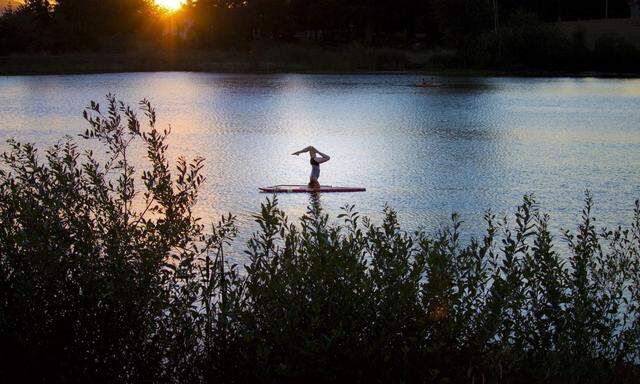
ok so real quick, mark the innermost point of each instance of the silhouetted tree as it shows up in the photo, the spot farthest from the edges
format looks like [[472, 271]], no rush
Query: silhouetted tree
[[27, 28], [81, 25], [87, 23], [459, 20]]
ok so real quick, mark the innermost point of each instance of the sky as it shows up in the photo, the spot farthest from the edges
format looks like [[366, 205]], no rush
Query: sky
[[4, 3]]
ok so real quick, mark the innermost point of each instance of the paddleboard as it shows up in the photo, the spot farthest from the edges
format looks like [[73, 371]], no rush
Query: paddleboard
[[307, 189]]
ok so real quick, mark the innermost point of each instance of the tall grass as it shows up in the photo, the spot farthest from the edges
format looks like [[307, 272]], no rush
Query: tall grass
[[106, 275]]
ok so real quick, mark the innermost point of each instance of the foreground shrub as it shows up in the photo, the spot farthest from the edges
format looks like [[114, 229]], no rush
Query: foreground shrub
[[107, 276]]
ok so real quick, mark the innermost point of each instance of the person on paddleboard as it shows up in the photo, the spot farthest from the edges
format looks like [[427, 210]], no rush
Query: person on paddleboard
[[316, 158]]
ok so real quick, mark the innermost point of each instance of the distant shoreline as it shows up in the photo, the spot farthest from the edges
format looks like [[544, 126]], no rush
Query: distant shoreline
[[330, 62]]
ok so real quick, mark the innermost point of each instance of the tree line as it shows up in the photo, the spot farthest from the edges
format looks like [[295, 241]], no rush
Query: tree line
[[85, 25]]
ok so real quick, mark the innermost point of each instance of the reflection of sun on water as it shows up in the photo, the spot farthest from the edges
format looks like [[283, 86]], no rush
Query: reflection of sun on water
[[171, 5]]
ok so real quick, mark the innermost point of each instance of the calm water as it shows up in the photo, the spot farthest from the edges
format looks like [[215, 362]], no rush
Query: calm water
[[469, 146]]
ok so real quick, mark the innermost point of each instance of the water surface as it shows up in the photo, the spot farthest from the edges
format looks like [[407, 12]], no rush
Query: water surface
[[471, 145]]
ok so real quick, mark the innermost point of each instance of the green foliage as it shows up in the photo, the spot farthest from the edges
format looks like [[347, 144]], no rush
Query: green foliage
[[93, 285], [27, 28], [302, 35], [525, 43], [460, 20], [107, 276], [615, 54], [37, 26]]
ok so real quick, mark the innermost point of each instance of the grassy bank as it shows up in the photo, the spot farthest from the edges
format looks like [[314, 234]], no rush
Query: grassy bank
[[480, 60], [106, 276], [281, 58]]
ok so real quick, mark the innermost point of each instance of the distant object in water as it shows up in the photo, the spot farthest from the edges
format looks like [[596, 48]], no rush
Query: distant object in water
[[428, 84], [308, 189]]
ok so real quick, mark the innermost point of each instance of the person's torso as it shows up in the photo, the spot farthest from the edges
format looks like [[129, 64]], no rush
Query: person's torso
[[315, 169]]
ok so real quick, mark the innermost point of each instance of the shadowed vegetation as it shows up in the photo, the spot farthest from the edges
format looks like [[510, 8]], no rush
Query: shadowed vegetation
[[107, 276], [257, 35]]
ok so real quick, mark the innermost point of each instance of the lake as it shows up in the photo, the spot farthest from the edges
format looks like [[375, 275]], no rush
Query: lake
[[467, 146]]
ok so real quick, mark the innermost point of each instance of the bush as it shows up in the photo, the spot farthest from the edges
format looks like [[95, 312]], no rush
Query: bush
[[615, 54], [527, 44], [100, 282], [524, 43]]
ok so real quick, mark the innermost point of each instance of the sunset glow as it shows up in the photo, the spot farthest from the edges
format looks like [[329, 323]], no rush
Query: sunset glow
[[171, 5]]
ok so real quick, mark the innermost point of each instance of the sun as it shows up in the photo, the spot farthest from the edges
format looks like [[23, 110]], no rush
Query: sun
[[170, 5]]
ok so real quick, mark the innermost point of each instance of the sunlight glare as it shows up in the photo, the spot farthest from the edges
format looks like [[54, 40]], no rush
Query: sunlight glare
[[170, 5]]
